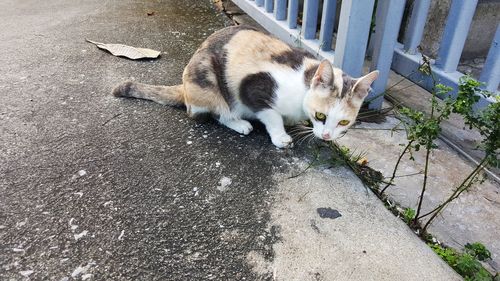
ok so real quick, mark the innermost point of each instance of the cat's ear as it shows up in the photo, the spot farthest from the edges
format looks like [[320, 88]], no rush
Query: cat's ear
[[323, 76], [362, 85]]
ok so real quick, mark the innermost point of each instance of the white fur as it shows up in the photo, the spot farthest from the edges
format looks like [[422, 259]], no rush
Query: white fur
[[290, 93], [239, 125], [195, 110], [287, 106], [273, 121]]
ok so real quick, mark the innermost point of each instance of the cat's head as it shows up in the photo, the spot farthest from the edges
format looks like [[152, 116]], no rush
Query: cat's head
[[334, 99]]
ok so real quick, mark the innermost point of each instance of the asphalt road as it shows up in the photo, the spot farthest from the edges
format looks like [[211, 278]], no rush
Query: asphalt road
[[97, 187]]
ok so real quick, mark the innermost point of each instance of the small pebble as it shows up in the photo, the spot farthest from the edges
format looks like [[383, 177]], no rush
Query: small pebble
[[26, 273]]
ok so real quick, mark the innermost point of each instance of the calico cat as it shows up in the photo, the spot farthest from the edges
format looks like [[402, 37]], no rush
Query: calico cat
[[240, 73]]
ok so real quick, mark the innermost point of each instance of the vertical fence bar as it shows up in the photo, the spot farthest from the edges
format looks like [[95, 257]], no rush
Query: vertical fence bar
[[388, 22], [259, 3], [310, 19], [327, 22], [268, 5], [352, 35], [455, 33], [416, 26], [293, 11], [491, 70], [280, 9]]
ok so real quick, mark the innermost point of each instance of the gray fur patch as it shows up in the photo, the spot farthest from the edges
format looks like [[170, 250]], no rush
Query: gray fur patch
[[292, 58], [309, 74], [216, 41], [257, 91], [219, 68], [200, 77]]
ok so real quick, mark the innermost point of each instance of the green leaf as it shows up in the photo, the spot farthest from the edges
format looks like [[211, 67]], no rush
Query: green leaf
[[478, 250], [409, 215]]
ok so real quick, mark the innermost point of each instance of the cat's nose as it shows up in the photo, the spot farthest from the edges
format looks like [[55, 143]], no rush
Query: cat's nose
[[326, 135]]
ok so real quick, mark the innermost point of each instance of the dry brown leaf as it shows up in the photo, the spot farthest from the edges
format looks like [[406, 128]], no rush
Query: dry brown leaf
[[121, 50], [362, 161]]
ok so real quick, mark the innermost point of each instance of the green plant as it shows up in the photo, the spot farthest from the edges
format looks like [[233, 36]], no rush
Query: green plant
[[422, 131], [486, 122], [466, 264], [478, 250], [447, 254], [409, 215]]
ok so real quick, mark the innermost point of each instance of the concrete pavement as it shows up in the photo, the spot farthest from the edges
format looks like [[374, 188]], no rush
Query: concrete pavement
[[98, 188]]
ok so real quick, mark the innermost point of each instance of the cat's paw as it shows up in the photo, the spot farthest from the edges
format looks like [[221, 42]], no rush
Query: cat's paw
[[282, 141], [244, 127], [239, 125]]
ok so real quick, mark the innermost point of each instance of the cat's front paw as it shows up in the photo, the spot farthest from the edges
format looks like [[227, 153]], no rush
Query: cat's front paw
[[239, 125], [282, 141], [243, 127]]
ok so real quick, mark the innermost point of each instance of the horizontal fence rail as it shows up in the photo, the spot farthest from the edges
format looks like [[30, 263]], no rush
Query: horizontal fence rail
[[282, 18]]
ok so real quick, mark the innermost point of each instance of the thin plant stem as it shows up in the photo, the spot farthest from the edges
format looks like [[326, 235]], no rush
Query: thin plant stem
[[396, 166], [459, 189], [424, 185], [428, 147], [409, 175], [377, 129]]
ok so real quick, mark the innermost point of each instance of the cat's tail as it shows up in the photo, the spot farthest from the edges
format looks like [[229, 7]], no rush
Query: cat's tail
[[168, 95]]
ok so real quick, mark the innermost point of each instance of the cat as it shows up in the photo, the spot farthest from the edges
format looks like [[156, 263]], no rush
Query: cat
[[241, 73]]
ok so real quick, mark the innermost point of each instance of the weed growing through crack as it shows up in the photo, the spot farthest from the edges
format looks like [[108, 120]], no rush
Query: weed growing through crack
[[466, 263], [355, 161], [409, 215]]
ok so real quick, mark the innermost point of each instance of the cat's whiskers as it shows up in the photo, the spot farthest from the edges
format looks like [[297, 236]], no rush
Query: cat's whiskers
[[309, 135], [301, 134], [300, 130], [310, 138]]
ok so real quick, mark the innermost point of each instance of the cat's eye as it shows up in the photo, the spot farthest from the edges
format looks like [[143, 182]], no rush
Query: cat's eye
[[320, 116], [344, 122]]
